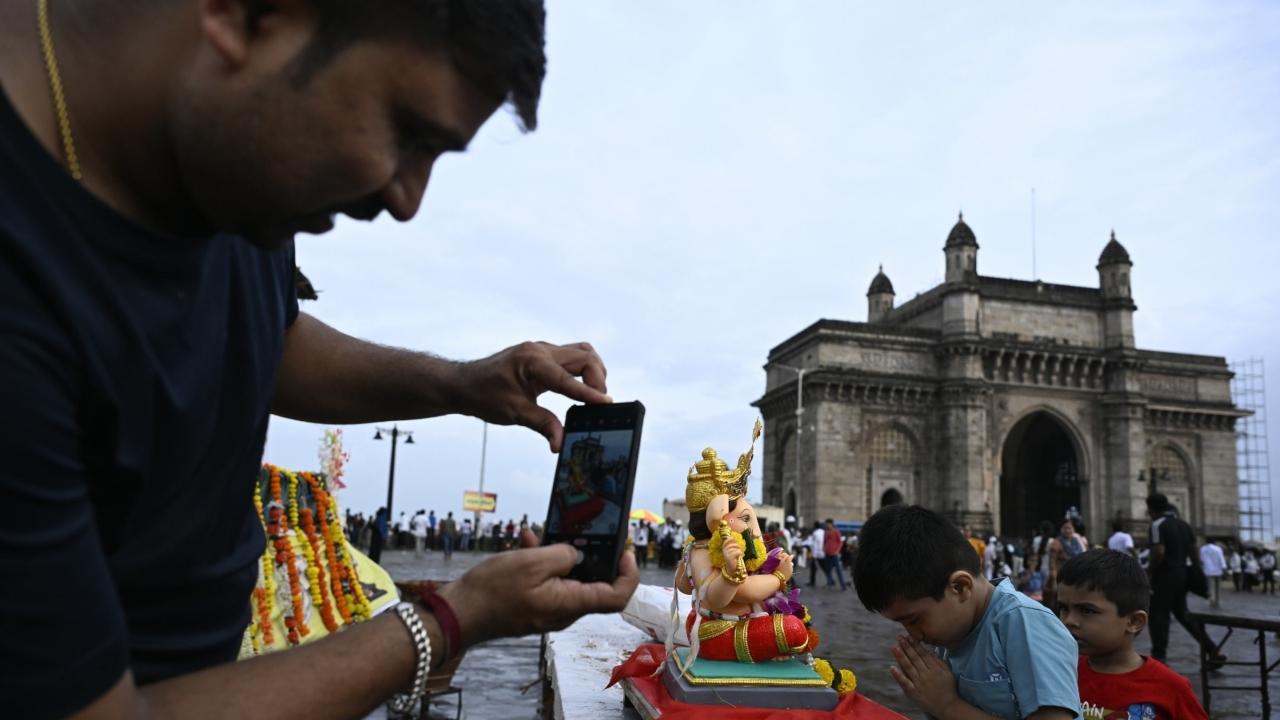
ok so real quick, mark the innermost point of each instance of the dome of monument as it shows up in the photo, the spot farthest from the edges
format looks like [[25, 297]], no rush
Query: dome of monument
[[961, 235], [880, 284], [1114, 253]]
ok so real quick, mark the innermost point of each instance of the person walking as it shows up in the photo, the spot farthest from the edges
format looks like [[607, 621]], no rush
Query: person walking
[[467, 532], [1172, 548], [431, 530], [832, 544], [641, 542], [1236, 566], [1214, 564], [1251, 569], [418, 526], [448, 534], [1121, 541], [379, 536], [1267, 564], [991, 558], [818, 551]]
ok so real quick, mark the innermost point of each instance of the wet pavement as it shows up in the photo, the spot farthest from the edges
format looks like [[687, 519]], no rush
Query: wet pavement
[[501, 679]]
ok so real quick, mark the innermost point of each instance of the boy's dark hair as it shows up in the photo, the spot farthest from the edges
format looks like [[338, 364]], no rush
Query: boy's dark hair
[[496, 44], [909, 552], [1117, 525], [1118, 576]]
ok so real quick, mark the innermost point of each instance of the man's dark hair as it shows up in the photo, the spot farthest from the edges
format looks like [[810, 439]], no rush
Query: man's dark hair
[[1118, 576], [1157, 503], [1117, 525], [495, 44], [909, 552]]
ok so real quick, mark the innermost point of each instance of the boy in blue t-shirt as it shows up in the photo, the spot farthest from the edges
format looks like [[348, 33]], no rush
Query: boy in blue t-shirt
[[1003, 654]]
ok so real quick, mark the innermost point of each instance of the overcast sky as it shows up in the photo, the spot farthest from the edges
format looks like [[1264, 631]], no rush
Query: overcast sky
[[709, 178]]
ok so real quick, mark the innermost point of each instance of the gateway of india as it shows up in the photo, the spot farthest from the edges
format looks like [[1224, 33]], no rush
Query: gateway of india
[[1001, 403]]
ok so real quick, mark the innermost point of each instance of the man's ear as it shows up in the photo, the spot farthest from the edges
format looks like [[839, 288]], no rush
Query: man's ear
[[961, 583], [231, 26], [225, 25], [1136, 622]]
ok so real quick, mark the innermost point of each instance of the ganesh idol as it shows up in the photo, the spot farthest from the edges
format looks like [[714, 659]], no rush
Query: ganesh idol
[[744, 607]]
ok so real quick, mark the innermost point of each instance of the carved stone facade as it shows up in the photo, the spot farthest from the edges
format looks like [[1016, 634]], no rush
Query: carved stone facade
[[1001, 402]]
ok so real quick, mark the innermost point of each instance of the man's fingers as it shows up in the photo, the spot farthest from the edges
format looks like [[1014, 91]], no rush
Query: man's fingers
[[582, 360], [551, 561], [528, 539], [544, 422], [583, 598], [563, 382]]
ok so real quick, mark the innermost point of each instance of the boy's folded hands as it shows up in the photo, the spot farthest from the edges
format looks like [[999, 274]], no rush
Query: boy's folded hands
[[923, 676]]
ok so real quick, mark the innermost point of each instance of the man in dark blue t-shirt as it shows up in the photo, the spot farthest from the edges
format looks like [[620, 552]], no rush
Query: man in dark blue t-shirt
[[156, 160]]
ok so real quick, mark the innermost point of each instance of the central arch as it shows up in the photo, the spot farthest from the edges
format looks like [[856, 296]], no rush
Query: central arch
[[1040, 475]]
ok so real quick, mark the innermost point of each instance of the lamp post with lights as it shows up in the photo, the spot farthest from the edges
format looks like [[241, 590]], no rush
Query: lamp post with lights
[[395, 433]]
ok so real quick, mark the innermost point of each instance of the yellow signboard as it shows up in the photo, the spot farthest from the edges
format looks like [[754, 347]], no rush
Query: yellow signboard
[[473, 500]]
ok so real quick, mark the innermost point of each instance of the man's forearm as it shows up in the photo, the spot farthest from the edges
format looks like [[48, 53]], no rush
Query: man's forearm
[[345, 675], [330, 377]]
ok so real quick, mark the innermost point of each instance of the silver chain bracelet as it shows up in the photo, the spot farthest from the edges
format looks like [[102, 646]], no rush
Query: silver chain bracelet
[[403, 703]]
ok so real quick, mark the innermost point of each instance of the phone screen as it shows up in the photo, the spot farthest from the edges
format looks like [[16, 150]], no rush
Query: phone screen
[[591, 490], [591, 483]]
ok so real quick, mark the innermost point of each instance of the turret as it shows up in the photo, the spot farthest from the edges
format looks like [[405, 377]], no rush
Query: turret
[[1114, 269], [962, 253], [879, 298], [960, 302]]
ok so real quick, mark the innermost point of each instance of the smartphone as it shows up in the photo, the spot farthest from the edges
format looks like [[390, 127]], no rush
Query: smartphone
[[591, 491]]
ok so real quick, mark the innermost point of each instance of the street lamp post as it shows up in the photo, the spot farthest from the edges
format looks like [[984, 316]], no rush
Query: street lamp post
[[395, 433], [799, 412]]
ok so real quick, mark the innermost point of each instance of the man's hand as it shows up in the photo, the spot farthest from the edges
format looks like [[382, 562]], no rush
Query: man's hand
[[924, 677], [503, 388], [524, 591]]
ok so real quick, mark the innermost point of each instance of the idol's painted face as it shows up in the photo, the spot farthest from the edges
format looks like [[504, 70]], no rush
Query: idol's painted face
[[743, 517]]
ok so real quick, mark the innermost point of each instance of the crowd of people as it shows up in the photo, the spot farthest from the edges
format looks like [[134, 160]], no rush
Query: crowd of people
[[423, 532]]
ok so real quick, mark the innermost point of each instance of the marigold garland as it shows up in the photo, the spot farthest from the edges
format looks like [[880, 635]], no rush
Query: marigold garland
[[301, 509], [842, 681]]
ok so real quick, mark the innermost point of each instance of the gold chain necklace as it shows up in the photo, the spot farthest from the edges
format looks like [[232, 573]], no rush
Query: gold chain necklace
[[55, 86]]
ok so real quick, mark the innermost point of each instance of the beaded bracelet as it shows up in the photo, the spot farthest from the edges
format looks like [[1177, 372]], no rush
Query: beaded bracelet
[[403, 702]]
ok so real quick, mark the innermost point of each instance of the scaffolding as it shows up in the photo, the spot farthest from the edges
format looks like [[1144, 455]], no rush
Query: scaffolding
[[1249, 391]]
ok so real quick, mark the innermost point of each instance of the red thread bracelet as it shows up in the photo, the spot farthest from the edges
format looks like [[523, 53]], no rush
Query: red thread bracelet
[[440, 610]]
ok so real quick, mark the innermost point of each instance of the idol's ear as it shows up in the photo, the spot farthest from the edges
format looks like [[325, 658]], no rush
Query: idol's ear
[[716, 510]]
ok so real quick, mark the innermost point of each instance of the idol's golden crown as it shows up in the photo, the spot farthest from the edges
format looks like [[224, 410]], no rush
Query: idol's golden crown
[[710, 476]]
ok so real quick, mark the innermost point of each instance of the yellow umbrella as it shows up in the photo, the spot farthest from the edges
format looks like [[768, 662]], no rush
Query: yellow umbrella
[[648, 516]]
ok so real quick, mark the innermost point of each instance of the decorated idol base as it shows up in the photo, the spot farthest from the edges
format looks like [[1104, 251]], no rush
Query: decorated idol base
[[789, 684]]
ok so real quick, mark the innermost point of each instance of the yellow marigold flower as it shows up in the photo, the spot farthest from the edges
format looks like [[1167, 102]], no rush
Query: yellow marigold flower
[[848, 682], [823, 668]]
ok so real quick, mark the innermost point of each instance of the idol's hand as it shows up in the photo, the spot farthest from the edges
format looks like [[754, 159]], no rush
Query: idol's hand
[[787, 566], [524, 592], [503, 388], [732, 549]]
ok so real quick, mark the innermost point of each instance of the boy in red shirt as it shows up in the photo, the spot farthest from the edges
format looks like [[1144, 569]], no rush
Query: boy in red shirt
[[1102, 599]]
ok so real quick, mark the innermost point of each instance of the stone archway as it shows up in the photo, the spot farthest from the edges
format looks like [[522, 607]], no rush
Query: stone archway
[[1040, 474]]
